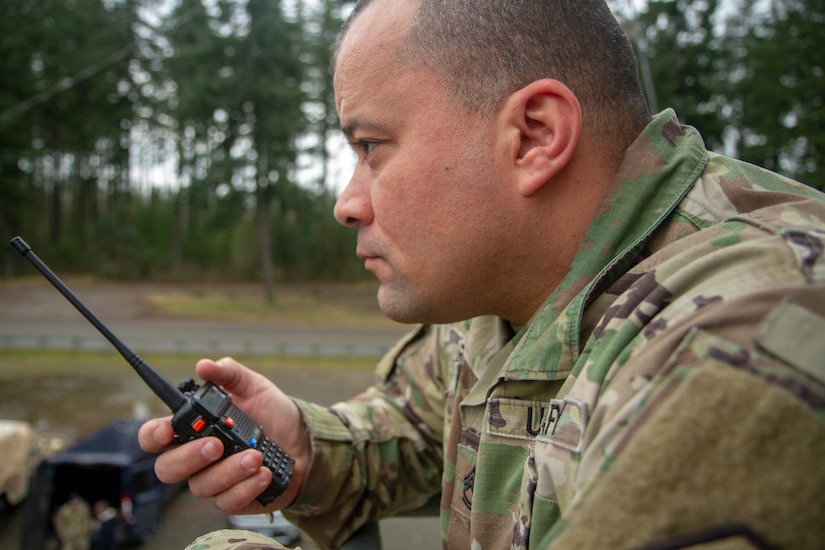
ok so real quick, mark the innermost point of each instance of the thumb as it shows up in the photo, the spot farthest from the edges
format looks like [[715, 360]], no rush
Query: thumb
[[228, 373]]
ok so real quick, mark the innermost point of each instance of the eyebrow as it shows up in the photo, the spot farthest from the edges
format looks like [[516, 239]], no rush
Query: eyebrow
[[350, 128]]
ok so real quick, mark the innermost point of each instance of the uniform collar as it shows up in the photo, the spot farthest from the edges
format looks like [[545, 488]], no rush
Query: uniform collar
[[658, 170]]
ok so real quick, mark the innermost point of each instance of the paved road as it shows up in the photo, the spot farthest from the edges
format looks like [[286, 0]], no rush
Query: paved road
[[199, 337]]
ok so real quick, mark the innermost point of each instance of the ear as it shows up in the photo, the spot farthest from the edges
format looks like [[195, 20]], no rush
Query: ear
[[544, 119]]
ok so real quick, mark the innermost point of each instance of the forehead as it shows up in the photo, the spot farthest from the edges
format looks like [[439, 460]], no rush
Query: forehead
[[380, 23], [369, 54]]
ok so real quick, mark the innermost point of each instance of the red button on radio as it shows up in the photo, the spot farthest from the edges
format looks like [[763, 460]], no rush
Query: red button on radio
[[198, 424], [229, 421]]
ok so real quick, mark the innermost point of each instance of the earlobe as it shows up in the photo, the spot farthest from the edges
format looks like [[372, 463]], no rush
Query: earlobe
[[548, 118]]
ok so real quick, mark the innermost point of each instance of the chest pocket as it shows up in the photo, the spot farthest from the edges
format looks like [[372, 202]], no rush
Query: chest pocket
[[553, 434], [536, 513], [524, 424]]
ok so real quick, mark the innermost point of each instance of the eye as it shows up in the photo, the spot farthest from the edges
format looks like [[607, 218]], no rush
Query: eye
[[365, 146]]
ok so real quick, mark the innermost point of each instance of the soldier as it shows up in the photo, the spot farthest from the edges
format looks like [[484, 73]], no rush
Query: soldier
[[621, 332], [73, 524]]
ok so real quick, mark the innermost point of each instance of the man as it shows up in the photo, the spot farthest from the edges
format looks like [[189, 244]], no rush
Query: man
[[73, 524], [621, 341]]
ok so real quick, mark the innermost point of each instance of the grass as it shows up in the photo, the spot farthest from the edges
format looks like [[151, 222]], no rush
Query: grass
[[16, 363], [351, 304], [335, 304]]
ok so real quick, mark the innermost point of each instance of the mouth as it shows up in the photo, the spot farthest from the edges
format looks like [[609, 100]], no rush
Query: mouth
[[370, 258], [370, 262]]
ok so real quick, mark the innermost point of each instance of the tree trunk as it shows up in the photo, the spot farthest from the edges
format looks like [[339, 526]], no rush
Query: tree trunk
[[262, 216]]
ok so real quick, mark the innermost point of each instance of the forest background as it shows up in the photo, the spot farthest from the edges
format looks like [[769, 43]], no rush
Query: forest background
[[197, 139]]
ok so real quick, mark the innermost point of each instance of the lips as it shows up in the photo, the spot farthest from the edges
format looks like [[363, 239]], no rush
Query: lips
[[370, 264], [364, 254], [370, 256], [366, 250]]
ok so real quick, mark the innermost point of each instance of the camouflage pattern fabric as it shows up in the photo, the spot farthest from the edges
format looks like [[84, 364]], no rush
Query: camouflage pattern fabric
[[235, 539], [675, 374], [73, 523]]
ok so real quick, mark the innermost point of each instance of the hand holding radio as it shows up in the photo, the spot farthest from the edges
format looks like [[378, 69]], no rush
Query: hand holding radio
[[235, 481], [204, 413]]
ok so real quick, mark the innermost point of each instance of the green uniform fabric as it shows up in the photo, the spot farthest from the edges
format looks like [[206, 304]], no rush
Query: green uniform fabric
[[73, 524], [676, 374], [235, 539]]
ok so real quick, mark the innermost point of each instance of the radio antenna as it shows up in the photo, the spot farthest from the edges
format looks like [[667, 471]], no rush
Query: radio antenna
[[164, 389]]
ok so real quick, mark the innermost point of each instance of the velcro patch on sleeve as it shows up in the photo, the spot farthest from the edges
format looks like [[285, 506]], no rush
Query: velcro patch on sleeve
[[795, 335]]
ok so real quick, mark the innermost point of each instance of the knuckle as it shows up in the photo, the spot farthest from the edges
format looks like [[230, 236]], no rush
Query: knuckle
[[198, 490], [163, 473]]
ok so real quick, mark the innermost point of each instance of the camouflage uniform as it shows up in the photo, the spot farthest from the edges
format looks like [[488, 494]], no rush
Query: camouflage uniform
[[671, 389], [73, 523], [234, 539]]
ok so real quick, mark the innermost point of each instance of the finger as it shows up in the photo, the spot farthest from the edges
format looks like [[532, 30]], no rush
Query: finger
[[230, 374], [235, 481], [185, 461], [226, 372], [156, 434], [240, 498]]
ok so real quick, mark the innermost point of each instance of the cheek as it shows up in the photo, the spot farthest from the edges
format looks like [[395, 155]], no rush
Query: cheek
[[409, 196], [431, 193], [411, 222]]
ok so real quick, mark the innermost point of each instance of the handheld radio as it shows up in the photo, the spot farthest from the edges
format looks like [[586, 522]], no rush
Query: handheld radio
[[198, 410]]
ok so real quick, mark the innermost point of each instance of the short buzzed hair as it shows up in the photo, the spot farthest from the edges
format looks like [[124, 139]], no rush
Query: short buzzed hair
[[487, 49]]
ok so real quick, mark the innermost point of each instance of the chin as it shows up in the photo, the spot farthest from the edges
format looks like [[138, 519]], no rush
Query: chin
[[413, 312], [400, 307], [401, 315]]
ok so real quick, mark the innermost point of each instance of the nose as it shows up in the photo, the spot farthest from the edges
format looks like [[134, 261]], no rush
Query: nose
[[353, 207]]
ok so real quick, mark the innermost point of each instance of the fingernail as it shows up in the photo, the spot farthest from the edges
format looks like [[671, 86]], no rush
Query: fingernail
[[248, 463], [209, 451], [159, 434], [262, 479]]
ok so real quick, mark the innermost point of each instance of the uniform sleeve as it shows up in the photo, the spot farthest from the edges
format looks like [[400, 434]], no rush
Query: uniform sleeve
[[380, 452]]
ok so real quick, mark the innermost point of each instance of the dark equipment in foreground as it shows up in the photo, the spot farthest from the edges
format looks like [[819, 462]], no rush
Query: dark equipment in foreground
[[199, 410]]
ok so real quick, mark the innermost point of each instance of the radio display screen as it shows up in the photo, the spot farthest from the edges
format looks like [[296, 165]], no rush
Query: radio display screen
[[212, 399]]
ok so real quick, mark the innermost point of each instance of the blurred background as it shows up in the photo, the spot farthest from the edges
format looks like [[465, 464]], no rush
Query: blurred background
[[197, 139], [177, 161]]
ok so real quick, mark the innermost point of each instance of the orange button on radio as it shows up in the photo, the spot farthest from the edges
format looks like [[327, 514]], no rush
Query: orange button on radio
[[198, 424]]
